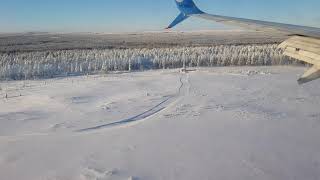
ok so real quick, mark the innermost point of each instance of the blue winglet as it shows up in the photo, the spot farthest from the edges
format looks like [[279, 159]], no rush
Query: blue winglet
[[187, 8], [181, 17]]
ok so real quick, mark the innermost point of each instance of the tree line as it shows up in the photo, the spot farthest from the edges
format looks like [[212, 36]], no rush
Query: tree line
[[46, 64]]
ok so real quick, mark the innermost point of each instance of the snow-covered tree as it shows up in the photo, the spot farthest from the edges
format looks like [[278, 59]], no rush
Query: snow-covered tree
[[26, 65]]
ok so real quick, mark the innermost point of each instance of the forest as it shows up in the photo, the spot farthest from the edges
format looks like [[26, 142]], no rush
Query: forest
[[48, 64]]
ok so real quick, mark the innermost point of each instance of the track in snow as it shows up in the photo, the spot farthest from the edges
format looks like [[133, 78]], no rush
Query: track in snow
[[140, 117]]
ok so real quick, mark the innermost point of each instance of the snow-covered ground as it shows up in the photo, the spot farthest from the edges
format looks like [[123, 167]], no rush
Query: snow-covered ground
[[213, 123]]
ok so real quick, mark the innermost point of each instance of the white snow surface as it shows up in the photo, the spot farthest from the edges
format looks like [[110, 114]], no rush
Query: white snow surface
[[212, 123]]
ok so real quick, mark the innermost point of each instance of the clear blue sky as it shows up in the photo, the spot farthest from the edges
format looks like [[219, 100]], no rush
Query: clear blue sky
[[142, 15]]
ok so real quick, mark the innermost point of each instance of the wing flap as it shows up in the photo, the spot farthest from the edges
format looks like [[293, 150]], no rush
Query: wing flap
[[309, 44], [312, 74], [304, 49], [306, 40], [303, 55]]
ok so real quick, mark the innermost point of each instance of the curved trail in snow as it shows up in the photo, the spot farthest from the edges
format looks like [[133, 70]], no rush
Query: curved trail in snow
[[143, 116], [159, 107], [155, 110]]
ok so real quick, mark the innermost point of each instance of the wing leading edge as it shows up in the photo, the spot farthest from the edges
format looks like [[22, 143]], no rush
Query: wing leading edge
[[305, 46]]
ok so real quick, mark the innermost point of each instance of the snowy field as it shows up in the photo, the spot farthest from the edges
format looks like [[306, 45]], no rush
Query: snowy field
[[212, 123]]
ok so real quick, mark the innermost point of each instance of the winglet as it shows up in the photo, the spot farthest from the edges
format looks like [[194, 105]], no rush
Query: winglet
[[181, 17], [187, 8]]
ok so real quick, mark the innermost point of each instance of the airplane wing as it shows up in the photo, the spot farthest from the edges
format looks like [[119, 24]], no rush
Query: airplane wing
[[304, 45]]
